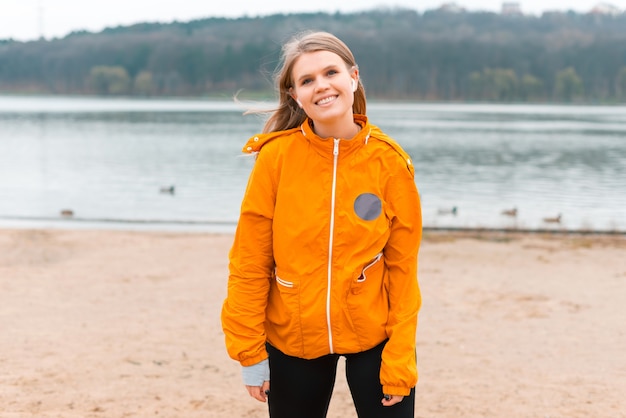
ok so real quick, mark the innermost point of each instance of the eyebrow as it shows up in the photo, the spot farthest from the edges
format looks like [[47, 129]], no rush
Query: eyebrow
[[328, 67]]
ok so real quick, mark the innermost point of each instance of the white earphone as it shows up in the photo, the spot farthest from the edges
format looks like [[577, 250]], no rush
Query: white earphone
[[299, 102]]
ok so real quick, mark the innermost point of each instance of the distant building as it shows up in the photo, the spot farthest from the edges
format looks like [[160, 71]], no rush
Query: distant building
[[511, 8], [605, 9], [451, 8]]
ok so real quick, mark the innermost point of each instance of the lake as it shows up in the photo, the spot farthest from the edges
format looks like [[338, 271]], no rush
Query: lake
[[107, 159]]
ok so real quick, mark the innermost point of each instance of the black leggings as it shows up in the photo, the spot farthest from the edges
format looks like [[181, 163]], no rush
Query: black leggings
[[302, 388]]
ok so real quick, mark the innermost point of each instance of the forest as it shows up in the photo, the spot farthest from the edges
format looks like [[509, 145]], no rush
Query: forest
[[437, 55]]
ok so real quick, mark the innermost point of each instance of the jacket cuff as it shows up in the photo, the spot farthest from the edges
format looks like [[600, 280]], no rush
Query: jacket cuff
[[396, 390], [252, 360], [256, 374]]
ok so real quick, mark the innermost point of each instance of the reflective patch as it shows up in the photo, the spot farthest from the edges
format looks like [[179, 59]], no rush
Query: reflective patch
[[368, 206]]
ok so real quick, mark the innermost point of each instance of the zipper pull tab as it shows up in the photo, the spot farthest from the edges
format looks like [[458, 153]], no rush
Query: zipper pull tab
[[336, 149]]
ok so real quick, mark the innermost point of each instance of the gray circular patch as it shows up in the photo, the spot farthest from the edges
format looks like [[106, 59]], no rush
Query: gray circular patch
[[368, 206]]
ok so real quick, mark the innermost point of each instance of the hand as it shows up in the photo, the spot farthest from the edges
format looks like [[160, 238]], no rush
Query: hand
[[390, 400], [259, 392]]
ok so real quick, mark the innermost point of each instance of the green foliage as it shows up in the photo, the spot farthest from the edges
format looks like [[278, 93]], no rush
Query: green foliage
[[401, 54], [621, 84], [109, 80], [568, 86], [503, 84], [497, 84], [143, 84], [530, 88]]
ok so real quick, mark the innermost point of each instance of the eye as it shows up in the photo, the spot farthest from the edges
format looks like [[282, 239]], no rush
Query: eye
[[305, 81], [332, 72]]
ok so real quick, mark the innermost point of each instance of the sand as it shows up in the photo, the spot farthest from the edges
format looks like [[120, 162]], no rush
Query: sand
[[126, 324]]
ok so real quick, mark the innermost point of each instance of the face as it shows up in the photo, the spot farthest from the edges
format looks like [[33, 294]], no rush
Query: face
[[322, 83]]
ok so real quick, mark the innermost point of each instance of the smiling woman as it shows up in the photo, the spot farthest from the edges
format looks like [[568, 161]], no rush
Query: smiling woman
[[319, 212], [304, 73], [324, 89]]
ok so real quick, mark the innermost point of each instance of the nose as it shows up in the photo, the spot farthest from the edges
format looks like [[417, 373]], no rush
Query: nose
[[321, 84]]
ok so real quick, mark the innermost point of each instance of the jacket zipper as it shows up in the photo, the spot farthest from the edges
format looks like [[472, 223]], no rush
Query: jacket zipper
[[330, 242]]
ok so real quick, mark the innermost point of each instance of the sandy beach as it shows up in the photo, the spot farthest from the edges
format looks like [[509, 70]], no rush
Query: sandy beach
[[126, 324]]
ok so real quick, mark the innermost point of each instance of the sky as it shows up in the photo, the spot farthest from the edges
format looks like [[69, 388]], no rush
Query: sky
[[26, 20]]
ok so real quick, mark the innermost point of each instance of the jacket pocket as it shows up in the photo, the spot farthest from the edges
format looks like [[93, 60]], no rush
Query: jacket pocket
[[285, 283], [284, 299], [283, 314], [371, 265], [368, 303]]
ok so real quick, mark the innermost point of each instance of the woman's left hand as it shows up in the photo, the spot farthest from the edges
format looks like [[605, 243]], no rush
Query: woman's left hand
[[259, 392], [393, 399]]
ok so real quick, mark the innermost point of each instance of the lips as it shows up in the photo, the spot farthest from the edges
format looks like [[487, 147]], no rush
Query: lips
[[326, 100]]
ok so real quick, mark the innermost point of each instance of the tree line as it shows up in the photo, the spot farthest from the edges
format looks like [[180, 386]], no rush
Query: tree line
[[402, 54]]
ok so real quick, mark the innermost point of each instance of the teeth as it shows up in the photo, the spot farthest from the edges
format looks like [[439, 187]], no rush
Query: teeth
[[326, 100]]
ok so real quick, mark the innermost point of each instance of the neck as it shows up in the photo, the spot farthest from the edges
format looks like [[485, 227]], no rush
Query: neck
[[343, 130]]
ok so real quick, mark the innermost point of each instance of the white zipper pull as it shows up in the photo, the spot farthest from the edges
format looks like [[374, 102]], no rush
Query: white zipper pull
[[375, 260], [336, 149]]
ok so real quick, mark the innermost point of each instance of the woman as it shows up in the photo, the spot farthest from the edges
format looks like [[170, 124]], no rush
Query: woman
[[324, 261]]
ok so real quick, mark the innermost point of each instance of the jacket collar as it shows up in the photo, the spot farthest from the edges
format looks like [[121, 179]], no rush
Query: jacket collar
[[307, 129], [346, 146], [323, 145]]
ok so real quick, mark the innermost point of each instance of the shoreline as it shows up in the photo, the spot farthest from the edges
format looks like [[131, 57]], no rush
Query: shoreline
[[215, 226]]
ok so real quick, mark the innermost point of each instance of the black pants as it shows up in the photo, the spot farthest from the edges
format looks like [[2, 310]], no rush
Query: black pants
[[302, 388]]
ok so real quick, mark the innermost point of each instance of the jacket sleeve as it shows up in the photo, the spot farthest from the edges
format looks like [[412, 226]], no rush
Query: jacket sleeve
[[399, 370], [251, 266]]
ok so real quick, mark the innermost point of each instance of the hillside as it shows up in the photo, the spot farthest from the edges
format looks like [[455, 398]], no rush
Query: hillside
[[402, 54]]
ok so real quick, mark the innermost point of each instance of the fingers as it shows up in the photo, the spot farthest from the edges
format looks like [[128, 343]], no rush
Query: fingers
[[266, 388], [259, 392], [390, 400]]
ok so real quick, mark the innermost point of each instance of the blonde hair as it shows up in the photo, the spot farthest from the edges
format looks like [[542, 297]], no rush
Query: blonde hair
[[288, 114]]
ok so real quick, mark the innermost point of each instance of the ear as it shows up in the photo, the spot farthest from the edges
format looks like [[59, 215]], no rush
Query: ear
[[294, 97], [355, 79]]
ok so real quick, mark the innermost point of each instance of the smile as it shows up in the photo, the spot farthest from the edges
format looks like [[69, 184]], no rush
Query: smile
[[326, 100]]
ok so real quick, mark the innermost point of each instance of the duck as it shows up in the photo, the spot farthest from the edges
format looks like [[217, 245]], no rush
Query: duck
[[68, 213], [452, 211], [167, 189], [554, 220], [510, 212]]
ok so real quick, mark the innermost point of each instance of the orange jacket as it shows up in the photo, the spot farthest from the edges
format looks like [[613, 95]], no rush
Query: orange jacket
[[325, 253]]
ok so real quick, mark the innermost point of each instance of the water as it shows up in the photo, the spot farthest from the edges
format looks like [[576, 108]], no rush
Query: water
[[106, 159]]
